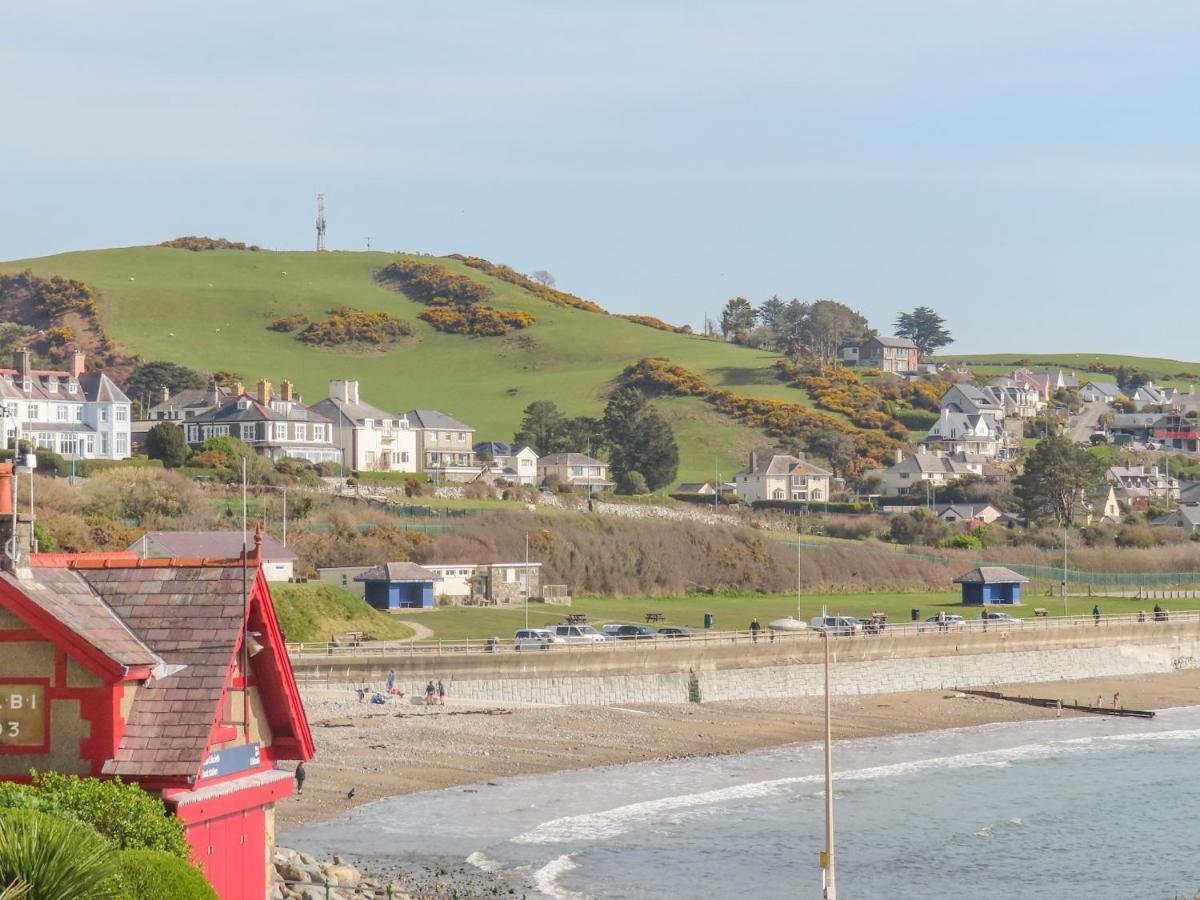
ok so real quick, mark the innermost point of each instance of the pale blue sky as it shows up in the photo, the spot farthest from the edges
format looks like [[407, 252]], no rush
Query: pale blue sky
[[1031, 169]]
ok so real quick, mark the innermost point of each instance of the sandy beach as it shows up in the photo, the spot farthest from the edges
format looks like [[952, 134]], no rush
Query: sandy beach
[[402, 746]]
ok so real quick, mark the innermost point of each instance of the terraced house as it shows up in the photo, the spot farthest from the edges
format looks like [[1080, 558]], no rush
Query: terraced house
[[277, 427], [76, 414]]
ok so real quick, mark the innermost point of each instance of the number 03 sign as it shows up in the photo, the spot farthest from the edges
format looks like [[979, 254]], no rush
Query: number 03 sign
[[22, 716]]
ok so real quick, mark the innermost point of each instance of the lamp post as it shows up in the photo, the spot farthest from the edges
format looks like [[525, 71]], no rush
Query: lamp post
[[278, 487], [827, 858]]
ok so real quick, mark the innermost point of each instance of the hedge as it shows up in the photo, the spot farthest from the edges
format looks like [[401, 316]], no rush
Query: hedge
[[917, 419], [397, 478], [154, 875], [798, 506]]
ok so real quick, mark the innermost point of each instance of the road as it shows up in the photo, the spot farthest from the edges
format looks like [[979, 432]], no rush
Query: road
[[1085, 423]]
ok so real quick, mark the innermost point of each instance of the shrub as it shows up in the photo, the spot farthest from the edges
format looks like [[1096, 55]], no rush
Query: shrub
[[655, 322], [1135, 535], [542, 291], [431, 283], [286, 324], [165, 441], [198, 243], [154, 875], [962, 541], [346, 325], [55, 858], [481, 321], [917, 419], [123, 813], [633, 483]]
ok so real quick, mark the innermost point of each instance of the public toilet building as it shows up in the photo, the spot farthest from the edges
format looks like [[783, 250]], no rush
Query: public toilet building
[[987, 585]]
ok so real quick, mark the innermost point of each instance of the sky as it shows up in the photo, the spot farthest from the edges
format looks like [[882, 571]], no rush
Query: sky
[[1028, 168]]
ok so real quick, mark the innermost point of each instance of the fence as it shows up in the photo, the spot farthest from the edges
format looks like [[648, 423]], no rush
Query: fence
[[906, 630]]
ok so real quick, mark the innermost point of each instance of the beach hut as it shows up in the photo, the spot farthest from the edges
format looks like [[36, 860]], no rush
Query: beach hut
[[398, 585], [988, 585]]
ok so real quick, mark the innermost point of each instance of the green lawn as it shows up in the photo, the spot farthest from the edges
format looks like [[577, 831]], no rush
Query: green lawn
[[205, 309], [314, 612]]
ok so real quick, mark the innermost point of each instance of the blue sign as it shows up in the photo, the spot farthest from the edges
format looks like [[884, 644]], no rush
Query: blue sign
[[231, 760]]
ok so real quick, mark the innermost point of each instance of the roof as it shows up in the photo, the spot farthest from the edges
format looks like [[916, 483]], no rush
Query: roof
[[569, 459], [493, 449], [99, 387], [231, 410], [991, 575], [977, 399], [784, 464], [964, 510], [205, 544], [434, 420], [191, 398], [1107, 388], [892, 341], [1189, 515], [357, 413], [397, 571], [1135, 420]]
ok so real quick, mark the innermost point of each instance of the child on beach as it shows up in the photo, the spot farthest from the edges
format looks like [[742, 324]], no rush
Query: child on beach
[[441, 692], [429, 694]]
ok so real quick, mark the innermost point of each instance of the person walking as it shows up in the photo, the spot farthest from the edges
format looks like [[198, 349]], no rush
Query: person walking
[[391, 681], [429, 694], [441, 692], [983, 616], [1096, 613], [300, 775], [755, 628], [1158, 612], [1117, 700]]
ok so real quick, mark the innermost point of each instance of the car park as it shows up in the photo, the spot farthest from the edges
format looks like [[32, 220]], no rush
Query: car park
[[578, 634], [534, 639], [843, 625]]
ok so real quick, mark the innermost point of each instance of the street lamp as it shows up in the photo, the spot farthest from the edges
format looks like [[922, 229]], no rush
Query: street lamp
[[277, 487]]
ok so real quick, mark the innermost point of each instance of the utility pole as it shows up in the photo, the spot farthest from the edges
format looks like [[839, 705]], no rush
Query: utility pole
[[320, 222], [1064, 577], [525, 581], [828, 878]]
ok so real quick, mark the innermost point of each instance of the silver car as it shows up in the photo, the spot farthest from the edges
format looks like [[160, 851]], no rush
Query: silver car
[[534, 639], [578, 634]]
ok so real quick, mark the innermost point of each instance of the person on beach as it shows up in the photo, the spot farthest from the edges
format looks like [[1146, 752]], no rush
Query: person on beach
[[1158, 612], [441, 692], [391, 681], [755, 628], [300, 775], [429, 694], [1117, 700], [1096, 613], [1099, 701], [983, 616]]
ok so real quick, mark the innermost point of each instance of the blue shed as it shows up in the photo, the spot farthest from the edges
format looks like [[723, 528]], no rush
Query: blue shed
[[398, 585], [987, 585]]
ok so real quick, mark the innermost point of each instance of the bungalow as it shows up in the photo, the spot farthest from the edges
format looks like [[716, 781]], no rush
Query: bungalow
[[974, 513], [491, 582], [888, 354], [574, 469], [978, 434], [370, 439], [398, 585], [782, 477], [277, 561]]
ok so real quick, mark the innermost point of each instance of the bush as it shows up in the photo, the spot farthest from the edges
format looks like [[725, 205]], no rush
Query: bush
[[1135, 535], [165, 441], [123, 813], [633, 483], [543, 291], [655, 322], [154, 875], [916, 419], [962, 541], [431, 283], [481, 321], [346, 325], [198, 243], [55, 858], [290, 323]]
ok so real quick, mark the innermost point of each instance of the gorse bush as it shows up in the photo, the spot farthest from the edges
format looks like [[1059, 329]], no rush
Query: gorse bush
[[542, 291], [481, 321], [197, 242], [655, 322], [287, 324], [346, 325], [429, 283]]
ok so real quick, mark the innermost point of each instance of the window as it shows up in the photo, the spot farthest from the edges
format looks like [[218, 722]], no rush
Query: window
[[301, 432], [121, 413], [247, 431], [33, 412], [79, 412], [122, 443], [52, 385], [576, 471], [370, 459], [61, 413], [318, 432], [45, 440], [281, 431], [404, 456], [777, 495], [510, 576], [72, 387], [104, 414], [104, 443], [194, 434], [462, 436], [12, 409], [446, 436], [368, 423]]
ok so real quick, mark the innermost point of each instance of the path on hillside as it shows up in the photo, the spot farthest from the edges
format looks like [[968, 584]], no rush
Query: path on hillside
[[420, 632]]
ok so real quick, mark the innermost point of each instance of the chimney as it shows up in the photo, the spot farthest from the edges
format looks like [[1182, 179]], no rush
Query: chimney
[[264, 391], [899, 456], [346, 391], [286, 392], [239, 389], [166, 394], [77, 360], [11, 525], [753, 461], [23, 364], [214, 395]]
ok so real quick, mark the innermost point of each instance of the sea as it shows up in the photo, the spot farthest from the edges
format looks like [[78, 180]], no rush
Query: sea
[[1094, 807]]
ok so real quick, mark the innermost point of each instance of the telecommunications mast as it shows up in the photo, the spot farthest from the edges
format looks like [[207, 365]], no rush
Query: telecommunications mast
[[320, 222]]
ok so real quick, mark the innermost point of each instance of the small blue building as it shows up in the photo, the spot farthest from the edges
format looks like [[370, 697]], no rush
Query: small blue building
[[398, 585], [988, 585]]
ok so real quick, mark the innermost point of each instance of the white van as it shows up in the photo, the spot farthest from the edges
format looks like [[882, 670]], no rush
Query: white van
[[534, 638], [837, 624], [579, 634]]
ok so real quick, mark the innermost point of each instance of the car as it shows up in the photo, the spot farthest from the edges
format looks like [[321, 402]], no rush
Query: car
[[634, 633], [1002, 617], [537, 638], [849, 625], [943, 622], [610, 630], [675, 631], [578, 634]]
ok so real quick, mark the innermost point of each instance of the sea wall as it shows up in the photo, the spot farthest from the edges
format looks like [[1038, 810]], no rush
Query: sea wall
[[784, 668]]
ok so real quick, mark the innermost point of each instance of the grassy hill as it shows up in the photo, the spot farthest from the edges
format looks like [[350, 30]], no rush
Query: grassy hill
[[210, 310]]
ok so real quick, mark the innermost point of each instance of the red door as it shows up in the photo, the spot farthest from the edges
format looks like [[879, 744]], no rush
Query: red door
[[233, 851]]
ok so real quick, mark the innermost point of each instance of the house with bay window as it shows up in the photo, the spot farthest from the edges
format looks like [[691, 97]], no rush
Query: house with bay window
[[372, 439], [782, 477], [276, 426], [72, 412]]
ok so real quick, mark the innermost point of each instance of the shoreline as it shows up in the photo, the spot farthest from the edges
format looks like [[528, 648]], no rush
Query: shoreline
[[401, 748]]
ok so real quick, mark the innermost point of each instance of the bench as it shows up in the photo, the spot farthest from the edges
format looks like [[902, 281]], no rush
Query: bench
[[1040, 612], [655, 617], [577, 618]]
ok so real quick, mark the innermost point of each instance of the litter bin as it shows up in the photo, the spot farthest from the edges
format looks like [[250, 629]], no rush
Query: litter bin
[[708, 620], [916, 615]]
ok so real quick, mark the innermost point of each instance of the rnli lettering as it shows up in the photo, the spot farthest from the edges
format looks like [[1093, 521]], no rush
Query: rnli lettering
[[22, 715]]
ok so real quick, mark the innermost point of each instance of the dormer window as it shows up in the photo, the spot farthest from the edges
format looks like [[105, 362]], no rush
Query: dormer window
[[243, 404], [52, 385], [72, 387], [369, 423]]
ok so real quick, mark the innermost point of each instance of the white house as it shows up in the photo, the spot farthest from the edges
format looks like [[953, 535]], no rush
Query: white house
[[981, 435], [1100, 392], [73, 413], [925, 470], [518, 464], [781, 477], [372, 439], [966, 398], [575, 469]]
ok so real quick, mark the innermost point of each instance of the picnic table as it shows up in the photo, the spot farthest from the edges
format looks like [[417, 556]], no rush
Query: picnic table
[[577, 618], [655, 617]]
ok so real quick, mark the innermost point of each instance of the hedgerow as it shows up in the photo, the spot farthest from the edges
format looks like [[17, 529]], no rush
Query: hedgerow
[[545, 292], [199, 242], [346, 325]]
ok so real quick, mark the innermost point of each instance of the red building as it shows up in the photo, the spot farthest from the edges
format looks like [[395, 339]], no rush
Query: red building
[[171, 673]]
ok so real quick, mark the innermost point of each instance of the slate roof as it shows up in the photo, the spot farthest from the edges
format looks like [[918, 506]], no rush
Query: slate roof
[[358, 413], [191, 617], [397, 571], [569, 459], [991, 575], [191, 398], [206, 544], [1105, 388], [1185, 516], [783, 464], [99, 387], [231, 411], [893, 342], [436, 421]]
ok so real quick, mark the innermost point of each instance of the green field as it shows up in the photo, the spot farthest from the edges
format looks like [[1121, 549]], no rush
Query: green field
[[210, 310], [1163, 371]]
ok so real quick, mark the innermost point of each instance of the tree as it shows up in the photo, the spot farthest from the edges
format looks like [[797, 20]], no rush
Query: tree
[[543, 427], [925, 328], [1059, 477], [737, 318], [836, 446], [542, 277], [585, 434], [820, 329], [165, 441], [639, 439], [150, 378], [771, 313]]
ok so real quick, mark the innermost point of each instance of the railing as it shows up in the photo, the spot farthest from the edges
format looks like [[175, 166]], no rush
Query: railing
[[906, 630]]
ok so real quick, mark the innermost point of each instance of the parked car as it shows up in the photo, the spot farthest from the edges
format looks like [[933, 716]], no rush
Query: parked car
[[634, 633], [848, 625], [578, 634], [610, 630], [943, 622], [537, 638], [1002, 617], [675, 631]]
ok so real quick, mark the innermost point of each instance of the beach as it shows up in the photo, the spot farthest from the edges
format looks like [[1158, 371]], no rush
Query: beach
[[402, 747]]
